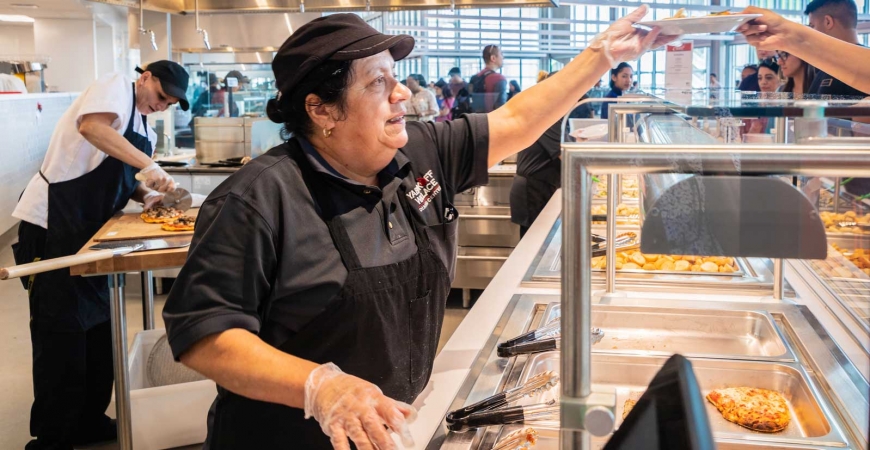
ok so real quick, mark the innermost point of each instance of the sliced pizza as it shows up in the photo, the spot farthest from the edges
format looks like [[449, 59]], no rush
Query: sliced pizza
[[183, 223], [160, 214], [757, 409]]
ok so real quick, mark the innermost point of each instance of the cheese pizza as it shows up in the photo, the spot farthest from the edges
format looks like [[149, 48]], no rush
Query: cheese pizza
[[756, 409], [160, 214], [183, 223]]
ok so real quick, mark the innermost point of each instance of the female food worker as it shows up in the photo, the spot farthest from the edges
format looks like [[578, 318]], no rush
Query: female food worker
[[98, 146], [620, 82], [316, 281]]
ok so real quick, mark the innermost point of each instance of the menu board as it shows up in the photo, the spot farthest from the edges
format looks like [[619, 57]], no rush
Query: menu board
[[678, 72]]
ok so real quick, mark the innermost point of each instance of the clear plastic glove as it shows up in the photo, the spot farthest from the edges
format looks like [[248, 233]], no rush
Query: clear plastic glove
[[156, 178], [152, 199], [770, 31], [623, 42], [349, 407]]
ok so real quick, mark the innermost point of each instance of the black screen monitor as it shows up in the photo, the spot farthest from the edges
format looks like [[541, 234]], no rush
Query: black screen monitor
[[671, 414]]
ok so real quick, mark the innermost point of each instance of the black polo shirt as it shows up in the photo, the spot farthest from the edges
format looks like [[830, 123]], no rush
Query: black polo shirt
[[541, 160], [260, 244], [831, 88]]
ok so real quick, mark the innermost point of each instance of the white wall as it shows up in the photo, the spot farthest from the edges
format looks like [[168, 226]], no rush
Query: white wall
[[70, 45], [105, 50], [16, 39]]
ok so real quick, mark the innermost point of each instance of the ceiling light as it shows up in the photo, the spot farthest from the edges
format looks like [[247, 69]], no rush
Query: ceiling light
[[24, 5], [15, 18]]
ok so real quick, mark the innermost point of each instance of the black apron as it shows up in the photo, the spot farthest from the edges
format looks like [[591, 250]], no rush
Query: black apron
[[382, 326], [77, 209]]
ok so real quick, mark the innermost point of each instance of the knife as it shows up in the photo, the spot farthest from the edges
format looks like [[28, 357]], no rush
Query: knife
[[103, 250]]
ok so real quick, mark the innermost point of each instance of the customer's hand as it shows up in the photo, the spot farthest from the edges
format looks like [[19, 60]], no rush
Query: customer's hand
[[349, 407], [156, 178], [623, 42], [770, 31]]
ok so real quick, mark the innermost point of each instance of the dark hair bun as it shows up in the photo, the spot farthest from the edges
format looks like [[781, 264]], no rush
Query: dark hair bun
[[273, 111]]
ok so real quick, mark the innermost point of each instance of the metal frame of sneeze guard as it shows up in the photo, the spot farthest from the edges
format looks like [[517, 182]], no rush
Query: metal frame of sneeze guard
[[582, 411]]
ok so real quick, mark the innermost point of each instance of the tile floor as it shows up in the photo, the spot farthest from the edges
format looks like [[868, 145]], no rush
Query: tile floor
[[16, 388]]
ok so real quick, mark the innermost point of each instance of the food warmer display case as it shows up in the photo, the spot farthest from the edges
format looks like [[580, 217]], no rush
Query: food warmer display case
[[576, 345]]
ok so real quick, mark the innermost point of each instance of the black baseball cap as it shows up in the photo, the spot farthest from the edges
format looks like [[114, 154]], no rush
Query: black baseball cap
[[173, 79], [337, 37]]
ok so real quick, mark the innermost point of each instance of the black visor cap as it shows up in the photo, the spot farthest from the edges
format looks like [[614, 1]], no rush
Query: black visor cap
[[173, 79]]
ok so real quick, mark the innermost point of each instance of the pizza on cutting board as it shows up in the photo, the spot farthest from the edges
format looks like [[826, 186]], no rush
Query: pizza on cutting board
[[160, 214], [182, 223], [757, 409]]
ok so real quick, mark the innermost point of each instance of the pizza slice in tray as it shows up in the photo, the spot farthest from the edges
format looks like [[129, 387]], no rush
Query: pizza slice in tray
[[182, 223], [757, 409], [160, 214]]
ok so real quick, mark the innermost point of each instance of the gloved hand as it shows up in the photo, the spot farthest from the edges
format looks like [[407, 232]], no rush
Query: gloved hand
[[349, 407], [156, 178], [152, 199], [622, 42]]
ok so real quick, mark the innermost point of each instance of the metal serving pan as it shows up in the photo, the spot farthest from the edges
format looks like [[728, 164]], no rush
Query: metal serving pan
[[631, 374], [700, 333], [548, 439]]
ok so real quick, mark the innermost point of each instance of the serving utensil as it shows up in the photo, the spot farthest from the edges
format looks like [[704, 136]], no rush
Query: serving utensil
[[548, 411], [542, 345], [521, 439], [535, 385]]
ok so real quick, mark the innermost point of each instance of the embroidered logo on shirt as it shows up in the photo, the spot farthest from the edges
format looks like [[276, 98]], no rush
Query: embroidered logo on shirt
[[425, 191], [827, 82]]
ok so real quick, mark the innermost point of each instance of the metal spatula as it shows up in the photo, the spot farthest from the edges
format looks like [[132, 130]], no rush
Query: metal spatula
[[103, 250]]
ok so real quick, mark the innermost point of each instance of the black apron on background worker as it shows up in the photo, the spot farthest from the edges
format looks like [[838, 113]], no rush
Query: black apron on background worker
[[539, 175], [70, 329], [364, 330]]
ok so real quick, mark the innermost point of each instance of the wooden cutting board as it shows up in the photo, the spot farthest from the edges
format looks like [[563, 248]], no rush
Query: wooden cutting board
[[131, 226]]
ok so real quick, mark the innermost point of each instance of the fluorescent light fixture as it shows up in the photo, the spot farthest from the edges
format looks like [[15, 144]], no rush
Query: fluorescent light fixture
[[259, 58], [24, 5], [287, 20], [15, 18]]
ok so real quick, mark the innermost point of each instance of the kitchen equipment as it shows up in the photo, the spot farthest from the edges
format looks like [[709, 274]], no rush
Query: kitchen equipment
[[535, 385], [551, 342], [179, 199], [102, 252], [548, 411], [624, 242], [131, 226]]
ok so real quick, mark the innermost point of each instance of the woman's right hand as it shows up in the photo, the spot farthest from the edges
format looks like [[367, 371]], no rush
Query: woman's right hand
[[348, 407]]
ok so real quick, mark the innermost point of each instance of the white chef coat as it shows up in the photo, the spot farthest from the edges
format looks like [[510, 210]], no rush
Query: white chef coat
[[69, 154]]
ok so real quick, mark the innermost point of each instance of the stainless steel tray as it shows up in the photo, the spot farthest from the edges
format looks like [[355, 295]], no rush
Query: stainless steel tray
[[631, 374], [548, 439], [701, 333]]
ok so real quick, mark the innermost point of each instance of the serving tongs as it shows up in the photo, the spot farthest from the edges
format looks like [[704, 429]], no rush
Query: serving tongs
[[624, 241], [535, 385], [549, 343], [522, 439], [850, 224], [548, 411]]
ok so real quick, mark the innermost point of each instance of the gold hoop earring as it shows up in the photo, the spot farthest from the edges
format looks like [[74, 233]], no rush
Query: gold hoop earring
[[327, 132]]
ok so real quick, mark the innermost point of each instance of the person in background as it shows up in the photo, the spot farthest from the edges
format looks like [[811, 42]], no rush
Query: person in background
[[542, 75], [433, 88], [714, 81], [769, 83], [838, 19], [445, 103], [423, 102], [513, 89], [11, 83], [489, 88], [634, 86], [221, 99], [455, 81], [797, 74], [749, 79], [88, 174], [620, 82], [598, 84]]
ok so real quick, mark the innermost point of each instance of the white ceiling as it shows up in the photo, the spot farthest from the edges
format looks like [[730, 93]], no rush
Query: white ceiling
[[49, 9]]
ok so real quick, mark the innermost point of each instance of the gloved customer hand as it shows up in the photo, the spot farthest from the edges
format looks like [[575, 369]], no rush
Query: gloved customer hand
[[350, 407], [623, 42], [156, 178]]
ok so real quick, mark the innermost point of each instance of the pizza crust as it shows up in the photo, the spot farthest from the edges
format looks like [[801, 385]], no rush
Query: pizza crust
[[183, 223], [757, 409]]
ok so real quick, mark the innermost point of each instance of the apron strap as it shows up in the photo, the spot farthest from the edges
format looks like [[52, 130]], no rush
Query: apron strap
[[133, 114]]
